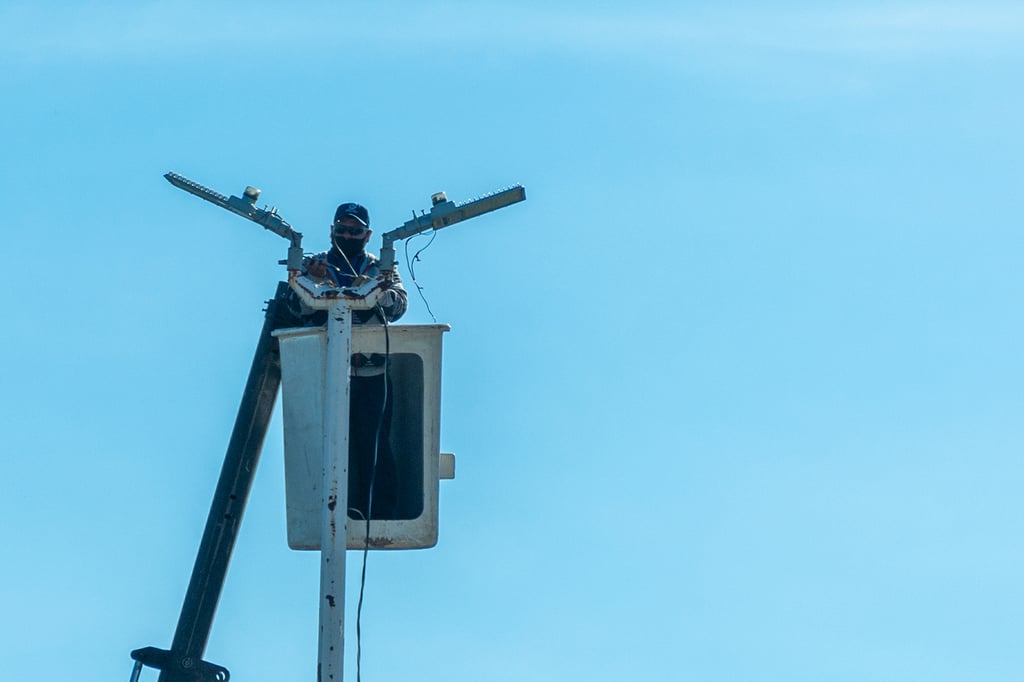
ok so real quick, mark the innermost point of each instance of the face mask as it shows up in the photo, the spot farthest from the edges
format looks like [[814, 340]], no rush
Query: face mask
[[350, 247]]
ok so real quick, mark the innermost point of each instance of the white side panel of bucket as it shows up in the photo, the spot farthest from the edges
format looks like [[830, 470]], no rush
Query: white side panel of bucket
[[303, 367], [303, 363]]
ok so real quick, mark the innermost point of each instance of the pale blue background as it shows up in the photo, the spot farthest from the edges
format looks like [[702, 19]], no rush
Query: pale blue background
[[735, 395]]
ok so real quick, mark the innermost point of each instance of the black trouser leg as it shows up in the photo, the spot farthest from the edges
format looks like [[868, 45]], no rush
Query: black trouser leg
[[367, 397]]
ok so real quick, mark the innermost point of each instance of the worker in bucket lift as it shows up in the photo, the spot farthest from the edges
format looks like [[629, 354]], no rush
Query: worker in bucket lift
[[347, 264]]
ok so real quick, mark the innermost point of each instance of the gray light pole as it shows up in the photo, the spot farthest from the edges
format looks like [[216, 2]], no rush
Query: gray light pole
[[339, 305]]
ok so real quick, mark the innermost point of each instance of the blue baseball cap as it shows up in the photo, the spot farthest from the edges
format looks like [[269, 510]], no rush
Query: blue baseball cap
[[356, 211]]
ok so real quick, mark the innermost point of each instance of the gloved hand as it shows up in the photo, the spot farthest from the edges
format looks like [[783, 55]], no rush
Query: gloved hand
[[316, 267]]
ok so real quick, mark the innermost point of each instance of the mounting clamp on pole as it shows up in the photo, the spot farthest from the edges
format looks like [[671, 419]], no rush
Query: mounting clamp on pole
[[323, 296]]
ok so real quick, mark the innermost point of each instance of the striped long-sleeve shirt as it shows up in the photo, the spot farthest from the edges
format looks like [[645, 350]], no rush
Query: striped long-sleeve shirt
[[340, 273]]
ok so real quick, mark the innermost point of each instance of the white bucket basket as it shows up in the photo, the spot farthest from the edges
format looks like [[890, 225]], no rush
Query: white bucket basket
[[415, 370]]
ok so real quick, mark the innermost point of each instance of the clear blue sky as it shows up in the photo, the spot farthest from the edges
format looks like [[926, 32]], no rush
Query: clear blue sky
[[735, 395]]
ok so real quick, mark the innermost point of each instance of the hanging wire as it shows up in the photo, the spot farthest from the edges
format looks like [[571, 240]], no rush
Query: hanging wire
[[369, 501], [334, 241], [412, 268]]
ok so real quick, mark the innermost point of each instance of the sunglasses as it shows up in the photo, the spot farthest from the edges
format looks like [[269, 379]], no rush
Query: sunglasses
[[354, 230]]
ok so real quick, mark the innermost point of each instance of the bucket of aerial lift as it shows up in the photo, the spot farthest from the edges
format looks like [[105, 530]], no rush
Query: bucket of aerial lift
[[414, 366]]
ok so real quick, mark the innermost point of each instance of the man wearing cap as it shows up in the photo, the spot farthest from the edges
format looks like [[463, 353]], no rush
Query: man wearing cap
[[348, 264]]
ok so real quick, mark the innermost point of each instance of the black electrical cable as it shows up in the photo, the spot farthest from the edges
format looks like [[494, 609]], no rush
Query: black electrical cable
[[412, 269], [369, 501]]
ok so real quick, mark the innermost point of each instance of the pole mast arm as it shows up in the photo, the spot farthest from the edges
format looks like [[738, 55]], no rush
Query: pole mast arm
[[444, 213], [245, 206]]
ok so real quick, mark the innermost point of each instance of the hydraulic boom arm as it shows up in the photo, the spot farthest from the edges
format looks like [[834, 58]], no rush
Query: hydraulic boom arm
[[184, 661]]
